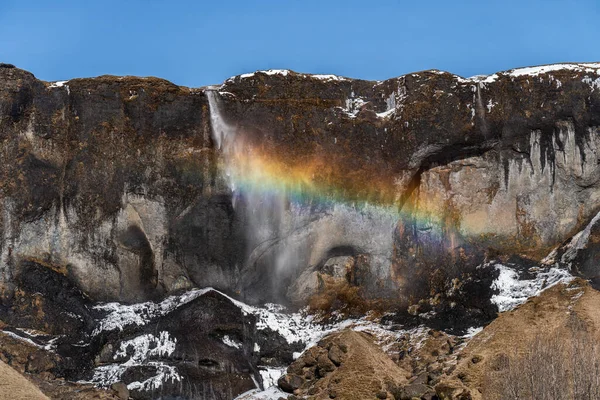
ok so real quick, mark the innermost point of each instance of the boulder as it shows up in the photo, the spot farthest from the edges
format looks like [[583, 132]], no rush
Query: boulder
[[290, 382], [414, 390]]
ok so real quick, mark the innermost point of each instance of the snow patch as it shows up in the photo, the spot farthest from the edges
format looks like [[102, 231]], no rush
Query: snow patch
[[121, 315], [472, 331], [478, 78], [22, 339], [165, 373], [139, 350], [513, 291], [231, 343], [59, 84], [593, 83], [270, 376], [354, 105], [286, 72], [146, 346], [272, 393], [106, 375], [534, 71]]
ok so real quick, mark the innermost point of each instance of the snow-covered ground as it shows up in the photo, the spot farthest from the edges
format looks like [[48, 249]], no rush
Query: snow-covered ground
[[294, 327], [286, 72], [514, 291]]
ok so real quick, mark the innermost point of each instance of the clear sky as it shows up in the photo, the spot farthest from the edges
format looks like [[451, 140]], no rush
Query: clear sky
[[203, 42]]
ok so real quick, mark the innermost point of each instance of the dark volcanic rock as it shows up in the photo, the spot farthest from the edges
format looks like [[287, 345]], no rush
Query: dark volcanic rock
[[290, 382], [121, 181], [415, 390], [186, 346]]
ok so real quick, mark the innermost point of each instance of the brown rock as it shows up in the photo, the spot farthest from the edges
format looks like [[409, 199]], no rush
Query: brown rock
[[313, 390], [324, 365], [452, 390], [422, 378], [476, 359], [309, 373], [297, 367], [309, 358], [38, 363], [414, 390], [290, 382], [335, 355], [121, 390]]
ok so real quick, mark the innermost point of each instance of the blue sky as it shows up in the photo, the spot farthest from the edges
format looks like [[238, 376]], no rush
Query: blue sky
[[202, 42]]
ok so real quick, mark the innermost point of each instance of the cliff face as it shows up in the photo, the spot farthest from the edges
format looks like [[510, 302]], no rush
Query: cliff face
[[278, 185]]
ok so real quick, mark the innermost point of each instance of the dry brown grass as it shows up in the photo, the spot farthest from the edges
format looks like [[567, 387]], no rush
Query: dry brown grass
[[560, 365], [542, 340], [365, 371], [14, 386]]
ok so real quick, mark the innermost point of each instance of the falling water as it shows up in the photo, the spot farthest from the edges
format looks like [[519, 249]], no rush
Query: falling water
[[284, 234]]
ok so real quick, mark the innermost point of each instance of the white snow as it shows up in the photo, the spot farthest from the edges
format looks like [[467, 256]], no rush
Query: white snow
[[144, 347], [478, 78], [353, 106], [231, 343], [283, 72], [23, 339], [60, 84], [106, 375], [387, 113], [286, 72], [472, 331], [534, 71], [272, 393], [513, 291], [593, 83], [326, 77], [294, 327], [121, 315], [165, 373], [270, 376]]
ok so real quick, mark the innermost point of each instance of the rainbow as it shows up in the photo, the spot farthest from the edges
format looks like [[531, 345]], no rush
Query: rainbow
[[252, 170]]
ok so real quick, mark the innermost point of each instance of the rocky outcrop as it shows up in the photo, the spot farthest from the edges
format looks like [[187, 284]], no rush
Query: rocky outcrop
[[346, 365], [200, 344], [580, 254]]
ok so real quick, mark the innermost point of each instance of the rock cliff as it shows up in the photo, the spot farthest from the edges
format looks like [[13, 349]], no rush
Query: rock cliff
[[128, 185], [277, 186]]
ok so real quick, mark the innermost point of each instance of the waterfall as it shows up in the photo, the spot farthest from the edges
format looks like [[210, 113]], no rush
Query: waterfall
[[481, 112], [287, 232]]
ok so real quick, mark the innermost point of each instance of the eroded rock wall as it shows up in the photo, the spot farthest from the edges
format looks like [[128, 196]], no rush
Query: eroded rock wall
[[123, 184]]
